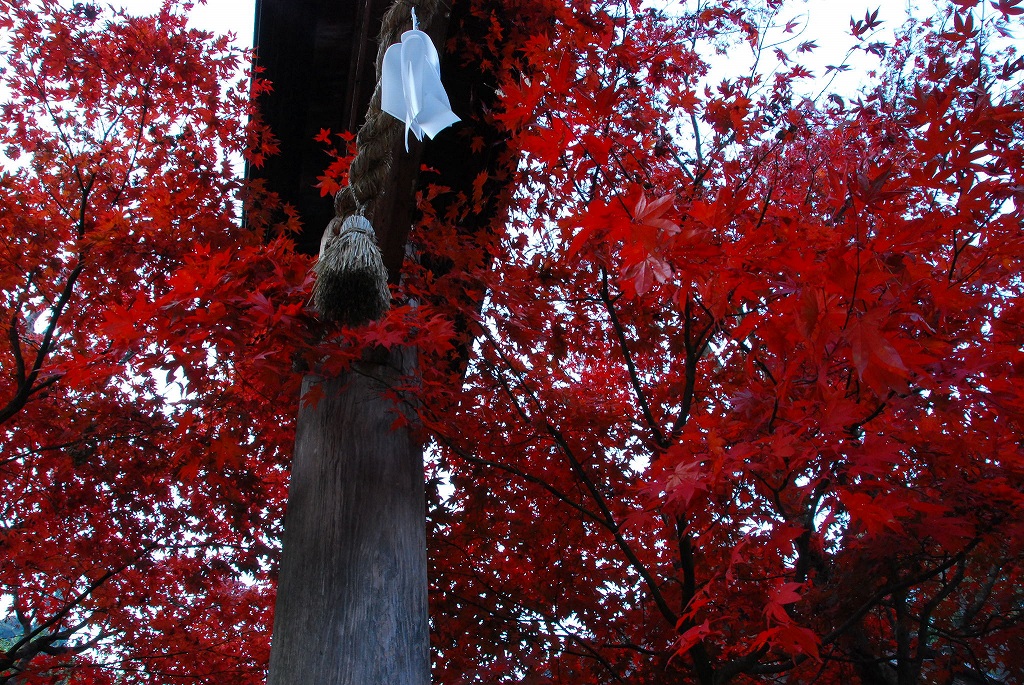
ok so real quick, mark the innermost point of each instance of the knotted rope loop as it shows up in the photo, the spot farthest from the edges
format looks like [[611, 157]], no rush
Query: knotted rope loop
[[359, 224]]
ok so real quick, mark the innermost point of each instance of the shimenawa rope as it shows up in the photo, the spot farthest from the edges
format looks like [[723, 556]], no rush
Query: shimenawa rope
[[351, 280]]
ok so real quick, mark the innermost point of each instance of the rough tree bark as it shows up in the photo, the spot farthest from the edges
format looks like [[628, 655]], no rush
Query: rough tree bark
[[352, 605]]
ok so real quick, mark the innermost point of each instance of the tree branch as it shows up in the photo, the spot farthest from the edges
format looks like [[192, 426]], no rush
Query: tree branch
[[26, 389], [634, 377], [29, 646]]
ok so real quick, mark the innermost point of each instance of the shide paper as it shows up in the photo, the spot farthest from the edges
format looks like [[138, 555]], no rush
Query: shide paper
[[411, 89]]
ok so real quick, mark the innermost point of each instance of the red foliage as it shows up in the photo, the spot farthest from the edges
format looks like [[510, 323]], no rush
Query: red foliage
[[743, 398], [746, 402], [145, 368]]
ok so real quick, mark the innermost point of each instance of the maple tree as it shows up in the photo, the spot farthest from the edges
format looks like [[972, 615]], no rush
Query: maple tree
[[745, 401], [143, 467], [730, 393]]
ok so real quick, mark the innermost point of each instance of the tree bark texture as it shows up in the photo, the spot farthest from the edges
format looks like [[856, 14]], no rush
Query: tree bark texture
[[352, 597]]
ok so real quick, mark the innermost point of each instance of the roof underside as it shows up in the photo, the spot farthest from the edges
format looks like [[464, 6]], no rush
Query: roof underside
[[319, 55]]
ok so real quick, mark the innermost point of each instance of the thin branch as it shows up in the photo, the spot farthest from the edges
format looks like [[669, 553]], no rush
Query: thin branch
[[867, 606], [28, 646], [634, 376], [508, 468], [26, 389], [613, 527], [606, 519]]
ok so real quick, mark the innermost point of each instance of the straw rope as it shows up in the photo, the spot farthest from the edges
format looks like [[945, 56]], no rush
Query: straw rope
[[377, 137], [351, 285]]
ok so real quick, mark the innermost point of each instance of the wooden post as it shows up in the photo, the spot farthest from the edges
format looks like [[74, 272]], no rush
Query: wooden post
[[352, 597], [352, 591]]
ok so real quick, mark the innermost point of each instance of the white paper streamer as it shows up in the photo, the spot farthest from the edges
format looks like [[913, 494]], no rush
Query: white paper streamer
[[411, 89]]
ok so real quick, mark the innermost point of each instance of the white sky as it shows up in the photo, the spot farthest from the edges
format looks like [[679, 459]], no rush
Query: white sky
[[225, 16], [829, 20], [219, 16]]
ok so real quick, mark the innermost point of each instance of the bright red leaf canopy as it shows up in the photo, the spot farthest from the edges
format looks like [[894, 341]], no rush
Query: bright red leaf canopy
[[743, 401]]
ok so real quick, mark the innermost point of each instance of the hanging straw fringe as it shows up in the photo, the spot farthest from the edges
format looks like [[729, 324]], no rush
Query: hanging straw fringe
[[351, 285], [351, 281]]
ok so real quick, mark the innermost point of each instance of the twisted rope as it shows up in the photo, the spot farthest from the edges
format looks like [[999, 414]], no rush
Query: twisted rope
[[378, 136], [351, 285]]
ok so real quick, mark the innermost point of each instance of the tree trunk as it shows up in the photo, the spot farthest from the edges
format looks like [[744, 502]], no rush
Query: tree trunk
[[352, 597]]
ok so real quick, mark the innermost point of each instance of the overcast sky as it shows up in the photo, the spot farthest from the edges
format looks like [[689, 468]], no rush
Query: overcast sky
[[829, 20], [829, 25]]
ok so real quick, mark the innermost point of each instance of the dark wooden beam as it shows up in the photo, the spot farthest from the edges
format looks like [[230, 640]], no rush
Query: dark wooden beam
[[319, 55]]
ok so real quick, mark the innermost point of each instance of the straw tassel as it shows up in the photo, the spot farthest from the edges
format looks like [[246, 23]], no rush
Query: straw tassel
[[351, 280]]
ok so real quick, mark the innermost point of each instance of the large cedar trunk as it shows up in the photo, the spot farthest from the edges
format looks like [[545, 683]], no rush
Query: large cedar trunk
[[352, 599]]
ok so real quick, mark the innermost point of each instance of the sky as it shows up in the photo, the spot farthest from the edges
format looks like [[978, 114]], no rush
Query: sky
[[827, 23], [225, 16], [829, 20], [219, 16]]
